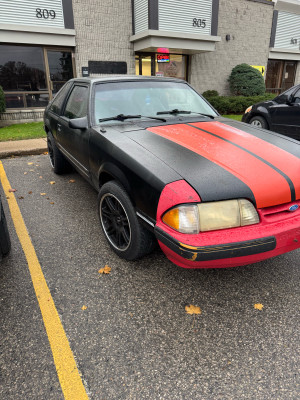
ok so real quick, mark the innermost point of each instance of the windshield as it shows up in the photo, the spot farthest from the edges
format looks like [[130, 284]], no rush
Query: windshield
[[147, 98]]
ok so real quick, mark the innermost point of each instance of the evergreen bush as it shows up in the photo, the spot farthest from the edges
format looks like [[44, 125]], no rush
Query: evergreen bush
[[246, 81], [2, 100], [236, 104], [210, 93]]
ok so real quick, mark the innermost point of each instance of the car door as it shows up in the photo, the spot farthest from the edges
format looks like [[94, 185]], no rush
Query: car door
[[286, 116], [74, 143]]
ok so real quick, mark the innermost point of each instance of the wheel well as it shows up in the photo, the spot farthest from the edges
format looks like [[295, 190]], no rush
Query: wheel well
[[104, 178]]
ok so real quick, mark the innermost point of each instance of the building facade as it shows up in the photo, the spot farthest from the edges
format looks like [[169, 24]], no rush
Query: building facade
[[44, 43]]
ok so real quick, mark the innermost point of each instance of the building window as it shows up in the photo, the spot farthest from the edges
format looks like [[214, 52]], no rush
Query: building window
[[164, 65], [31, 75], [280, 75]]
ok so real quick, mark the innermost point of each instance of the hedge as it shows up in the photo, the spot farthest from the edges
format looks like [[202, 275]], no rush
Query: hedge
[[2, 100], [236, 104]]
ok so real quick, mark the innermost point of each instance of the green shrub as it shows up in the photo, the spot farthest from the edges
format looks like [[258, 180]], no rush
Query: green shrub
[[246, 81], [236, 104], [2, 100], [210, 93]]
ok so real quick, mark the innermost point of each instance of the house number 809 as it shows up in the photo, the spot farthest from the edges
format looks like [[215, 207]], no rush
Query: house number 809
[[45, 13]]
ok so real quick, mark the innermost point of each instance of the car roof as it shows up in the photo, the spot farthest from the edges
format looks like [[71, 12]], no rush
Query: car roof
[[129, 78]]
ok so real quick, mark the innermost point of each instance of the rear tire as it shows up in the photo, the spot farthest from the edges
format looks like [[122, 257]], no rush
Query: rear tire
[[57, 161], [120, 225], [4, 235], [259, 122]]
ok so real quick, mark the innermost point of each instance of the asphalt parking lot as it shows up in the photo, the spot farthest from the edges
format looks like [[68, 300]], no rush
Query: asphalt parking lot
[[128, 330]]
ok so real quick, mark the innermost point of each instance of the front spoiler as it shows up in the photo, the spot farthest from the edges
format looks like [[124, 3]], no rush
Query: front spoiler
[[217, 252]]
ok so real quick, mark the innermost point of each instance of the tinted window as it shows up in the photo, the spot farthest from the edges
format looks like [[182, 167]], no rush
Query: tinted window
[[296, 98], [282, 98], [22, 68], [59, 98], [77, 104]]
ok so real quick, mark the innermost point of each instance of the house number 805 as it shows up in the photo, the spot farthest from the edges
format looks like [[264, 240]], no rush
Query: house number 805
[[199, 23], [45, 13]]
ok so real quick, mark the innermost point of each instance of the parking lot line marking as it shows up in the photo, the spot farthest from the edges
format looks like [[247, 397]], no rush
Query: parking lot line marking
[[67, 371]]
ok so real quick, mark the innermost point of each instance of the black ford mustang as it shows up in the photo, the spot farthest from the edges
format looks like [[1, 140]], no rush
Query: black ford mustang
[[213, 192]]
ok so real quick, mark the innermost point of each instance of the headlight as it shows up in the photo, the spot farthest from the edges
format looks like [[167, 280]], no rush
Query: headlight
[[248, 109], [203, 217]]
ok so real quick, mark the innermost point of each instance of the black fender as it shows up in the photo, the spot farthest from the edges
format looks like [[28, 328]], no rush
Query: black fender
[[263, 112], [107, 170]]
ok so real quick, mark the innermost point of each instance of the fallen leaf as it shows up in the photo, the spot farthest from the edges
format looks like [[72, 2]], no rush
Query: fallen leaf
[[45, 153], [12, 190], [192, 309], [105, 270], [51, 202], [21, 197], [84, 307], [52, 182], [43, 194], [258, 306], [30, 163], [7, 197], [31, 170], [71, 180], [40, 177], [30, 192], [25, 173], [37, 165]]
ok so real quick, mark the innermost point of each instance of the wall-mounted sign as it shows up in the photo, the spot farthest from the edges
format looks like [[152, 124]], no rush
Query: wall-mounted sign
[[163, 58], [261, 68], [85, 72], [35, 13]]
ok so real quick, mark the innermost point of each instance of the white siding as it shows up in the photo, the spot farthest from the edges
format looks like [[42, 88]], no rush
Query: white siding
[[141, 15], [178, 15], [288, 27], [23, 12]]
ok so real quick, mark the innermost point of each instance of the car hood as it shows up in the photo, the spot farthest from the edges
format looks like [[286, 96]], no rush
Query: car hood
[[225, 159]]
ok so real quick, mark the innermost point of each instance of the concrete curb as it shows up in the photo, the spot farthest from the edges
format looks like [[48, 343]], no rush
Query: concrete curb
[[23, 147]]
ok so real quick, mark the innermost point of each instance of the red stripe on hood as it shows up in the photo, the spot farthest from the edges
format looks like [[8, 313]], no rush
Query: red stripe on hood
[[281, 159], [262, 179]]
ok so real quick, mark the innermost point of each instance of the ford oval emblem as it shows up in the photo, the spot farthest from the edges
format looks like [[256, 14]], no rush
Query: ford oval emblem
[[294, 207]]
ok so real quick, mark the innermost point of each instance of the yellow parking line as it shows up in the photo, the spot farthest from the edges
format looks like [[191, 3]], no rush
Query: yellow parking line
[[65, 364]]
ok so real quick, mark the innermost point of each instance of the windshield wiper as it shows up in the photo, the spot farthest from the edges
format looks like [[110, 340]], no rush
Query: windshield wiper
[[122, 117], [119, 117], [176, 111]]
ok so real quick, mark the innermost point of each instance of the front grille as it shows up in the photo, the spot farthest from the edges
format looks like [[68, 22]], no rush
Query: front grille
[[279, 213]]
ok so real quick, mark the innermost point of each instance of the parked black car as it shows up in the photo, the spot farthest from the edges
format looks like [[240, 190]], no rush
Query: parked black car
[[4, 235], [213, 192], [281, 114]]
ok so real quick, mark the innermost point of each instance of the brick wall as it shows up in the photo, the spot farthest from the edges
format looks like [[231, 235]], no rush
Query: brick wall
[[249, 25], [103, 28]]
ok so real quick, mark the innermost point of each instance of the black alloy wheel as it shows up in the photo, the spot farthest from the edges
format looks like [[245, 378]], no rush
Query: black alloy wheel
[[126, 236], [115, 222], [57, 161]]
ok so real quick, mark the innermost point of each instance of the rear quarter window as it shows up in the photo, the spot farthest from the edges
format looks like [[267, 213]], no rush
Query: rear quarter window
[[58, 100]]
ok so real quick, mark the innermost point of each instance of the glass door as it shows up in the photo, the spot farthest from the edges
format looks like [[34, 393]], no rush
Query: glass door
[[163, 65], [60, 66]]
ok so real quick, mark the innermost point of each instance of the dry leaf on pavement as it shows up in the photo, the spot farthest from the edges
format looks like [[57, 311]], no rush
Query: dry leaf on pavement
[[258, 306], [43, 194], [52, 182], [84, 307], [71, 180], [105, 270], [192, 309], [30, 163], [12, 190]]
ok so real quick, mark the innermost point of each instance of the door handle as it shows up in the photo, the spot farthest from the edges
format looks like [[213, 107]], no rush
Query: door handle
[[58, 127]]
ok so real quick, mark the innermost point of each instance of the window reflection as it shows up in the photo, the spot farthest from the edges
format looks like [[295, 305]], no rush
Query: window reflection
[[22, 68]]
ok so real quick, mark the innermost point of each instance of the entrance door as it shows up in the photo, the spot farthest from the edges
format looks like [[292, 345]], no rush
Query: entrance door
[[60, 67], [144, 65]]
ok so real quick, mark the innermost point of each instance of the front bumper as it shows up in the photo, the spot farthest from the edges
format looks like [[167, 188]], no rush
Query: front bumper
[[231, 247]]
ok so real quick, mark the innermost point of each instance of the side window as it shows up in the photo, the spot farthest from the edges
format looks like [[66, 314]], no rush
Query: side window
[[77, 104], [296, 98], [59, 98]]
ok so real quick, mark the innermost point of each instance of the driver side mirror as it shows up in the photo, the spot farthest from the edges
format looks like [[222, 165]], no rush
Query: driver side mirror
[[78, 123]]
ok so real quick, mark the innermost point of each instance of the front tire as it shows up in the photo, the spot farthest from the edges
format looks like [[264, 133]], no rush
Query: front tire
[[259, 122], [57, 161], [125, 235]]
